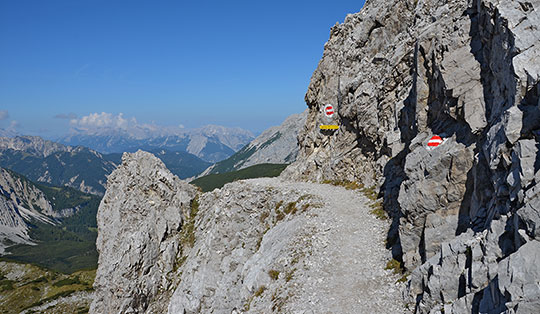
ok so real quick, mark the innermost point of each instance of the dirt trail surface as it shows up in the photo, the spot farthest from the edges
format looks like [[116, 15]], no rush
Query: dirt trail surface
[[343, 271]]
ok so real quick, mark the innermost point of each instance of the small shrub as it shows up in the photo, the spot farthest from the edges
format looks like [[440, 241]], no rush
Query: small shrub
[[67, 282], [83, 310], [6, 285], [290, 208], [402, 279], [274, 274], [263, 216], [393, 265], [279, 215], [278, 205], [40, 279], [378, 211], [260, 291]]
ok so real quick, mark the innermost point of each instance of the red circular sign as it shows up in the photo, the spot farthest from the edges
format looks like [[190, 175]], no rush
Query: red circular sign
[[329, 111], [435, 141]]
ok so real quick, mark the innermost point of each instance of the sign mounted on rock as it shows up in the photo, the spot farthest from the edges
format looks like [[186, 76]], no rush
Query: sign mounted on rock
[[329, 111], [434, 141]]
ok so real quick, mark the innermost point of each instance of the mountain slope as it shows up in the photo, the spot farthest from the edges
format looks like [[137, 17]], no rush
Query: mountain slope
[[277, 145], [38, 290], [20, 203], [217, 180], [50, 226]]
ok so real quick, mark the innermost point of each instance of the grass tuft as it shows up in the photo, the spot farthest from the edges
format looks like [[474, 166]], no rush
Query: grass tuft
[[370, 193], [259, 291], [378, 211], [349, 185], [394, 265], [290, 208], [274, 274], [402, 279], [188, 228]]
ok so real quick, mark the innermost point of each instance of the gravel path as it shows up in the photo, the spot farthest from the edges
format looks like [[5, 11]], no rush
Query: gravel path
[[344, 267]]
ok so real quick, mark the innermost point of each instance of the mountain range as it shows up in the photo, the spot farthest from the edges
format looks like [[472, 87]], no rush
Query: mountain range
[[276, 145], [211, 143], [78, 167]]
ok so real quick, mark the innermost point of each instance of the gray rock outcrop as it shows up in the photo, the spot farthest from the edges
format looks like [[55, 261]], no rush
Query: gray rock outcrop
[[139, 221], [467, 70]]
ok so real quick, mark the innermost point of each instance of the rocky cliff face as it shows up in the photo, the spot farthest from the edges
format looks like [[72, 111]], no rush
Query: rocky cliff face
[[465, 214], [140, 220]]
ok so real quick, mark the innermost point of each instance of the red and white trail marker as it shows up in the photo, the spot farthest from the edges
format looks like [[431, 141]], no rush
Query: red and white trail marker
[[435, 141], [329, 111]]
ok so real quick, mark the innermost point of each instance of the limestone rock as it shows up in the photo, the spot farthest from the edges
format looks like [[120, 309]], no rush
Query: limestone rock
[[139, 222], [515, 275], [402, 71]]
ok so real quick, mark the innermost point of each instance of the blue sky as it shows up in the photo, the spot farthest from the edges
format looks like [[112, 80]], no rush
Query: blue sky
[[232, 63]]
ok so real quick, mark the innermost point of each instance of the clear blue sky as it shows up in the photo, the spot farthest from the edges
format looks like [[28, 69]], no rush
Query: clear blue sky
[[233, 63]]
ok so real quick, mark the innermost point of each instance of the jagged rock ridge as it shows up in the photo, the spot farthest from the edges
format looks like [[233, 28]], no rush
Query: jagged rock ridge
[[402, 71], [56, 164]]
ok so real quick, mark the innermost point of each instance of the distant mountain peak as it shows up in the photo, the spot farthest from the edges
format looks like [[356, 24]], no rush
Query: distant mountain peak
[[276, 145]]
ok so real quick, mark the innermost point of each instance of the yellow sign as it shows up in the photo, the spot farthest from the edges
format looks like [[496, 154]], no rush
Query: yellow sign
[[329, 127]]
